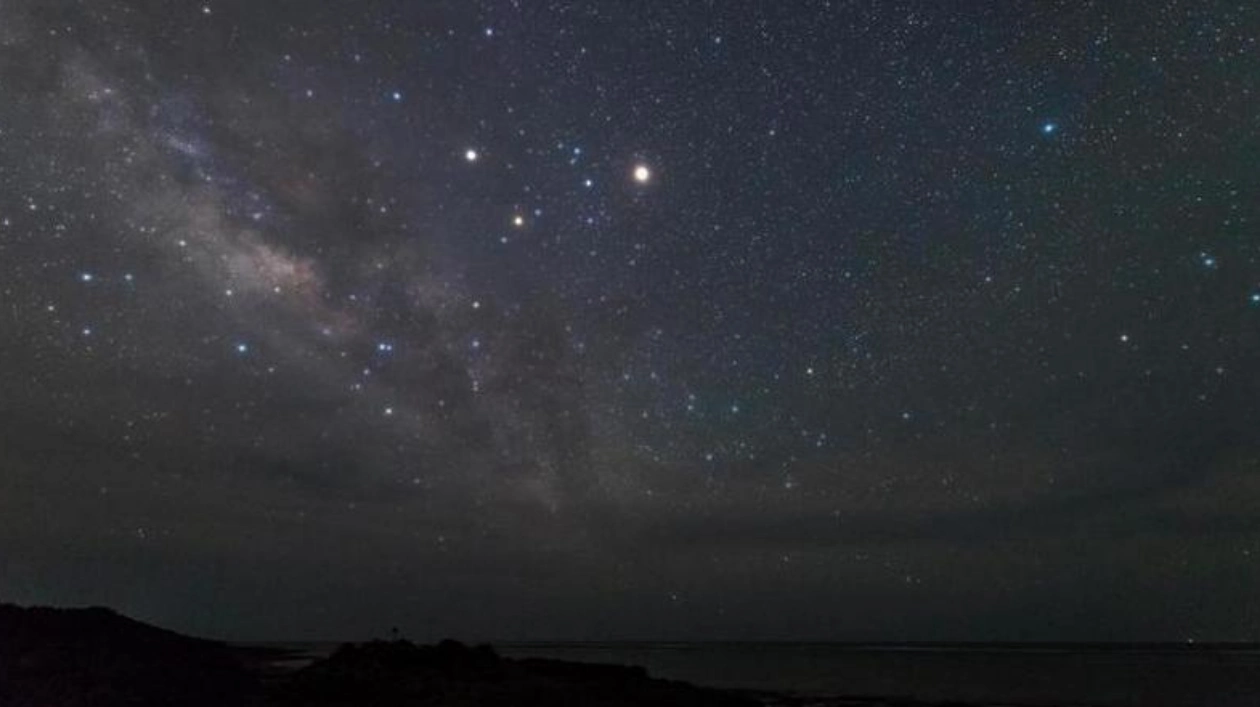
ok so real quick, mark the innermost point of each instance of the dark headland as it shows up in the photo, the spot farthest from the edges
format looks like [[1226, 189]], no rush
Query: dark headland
[[99, 658]]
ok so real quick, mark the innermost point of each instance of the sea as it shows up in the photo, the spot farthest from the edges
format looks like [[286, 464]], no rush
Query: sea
[[1161, 675]]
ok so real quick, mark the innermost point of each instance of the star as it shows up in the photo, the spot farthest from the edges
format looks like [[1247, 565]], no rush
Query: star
[[725, 325]]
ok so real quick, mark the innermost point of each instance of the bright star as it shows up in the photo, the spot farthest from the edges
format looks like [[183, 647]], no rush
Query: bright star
[[1049, 128], [397, 96], [642, 174], [242, 348], [86, 277], [471, 155], [518, 220]]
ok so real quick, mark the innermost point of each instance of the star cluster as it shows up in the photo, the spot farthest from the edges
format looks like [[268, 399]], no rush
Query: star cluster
[[618, 319]]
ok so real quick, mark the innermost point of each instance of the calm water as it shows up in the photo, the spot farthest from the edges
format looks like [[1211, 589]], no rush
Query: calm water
[[1166, 677], [1149, 678]]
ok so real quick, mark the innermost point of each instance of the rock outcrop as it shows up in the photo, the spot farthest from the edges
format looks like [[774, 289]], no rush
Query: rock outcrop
[[398, 673]]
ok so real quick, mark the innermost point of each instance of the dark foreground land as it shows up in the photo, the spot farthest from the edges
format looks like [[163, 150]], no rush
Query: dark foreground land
[[98, 658]]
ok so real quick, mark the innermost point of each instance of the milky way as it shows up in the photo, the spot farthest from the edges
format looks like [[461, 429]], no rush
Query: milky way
[[633, 320]]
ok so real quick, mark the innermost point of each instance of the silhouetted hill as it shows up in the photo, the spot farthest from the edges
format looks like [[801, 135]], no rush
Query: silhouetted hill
[[398, 673], [98, 658]]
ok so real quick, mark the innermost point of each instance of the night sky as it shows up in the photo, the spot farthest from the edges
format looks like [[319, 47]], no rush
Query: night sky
[[630, 320]]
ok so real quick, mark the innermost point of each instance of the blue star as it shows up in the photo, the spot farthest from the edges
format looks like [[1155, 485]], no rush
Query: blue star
[[242, 348], [1255, 298], [397, 96], [1049, 128], [86, 277]]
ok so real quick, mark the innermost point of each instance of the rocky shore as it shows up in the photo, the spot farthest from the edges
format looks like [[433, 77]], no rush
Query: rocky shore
[[99, 658]]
